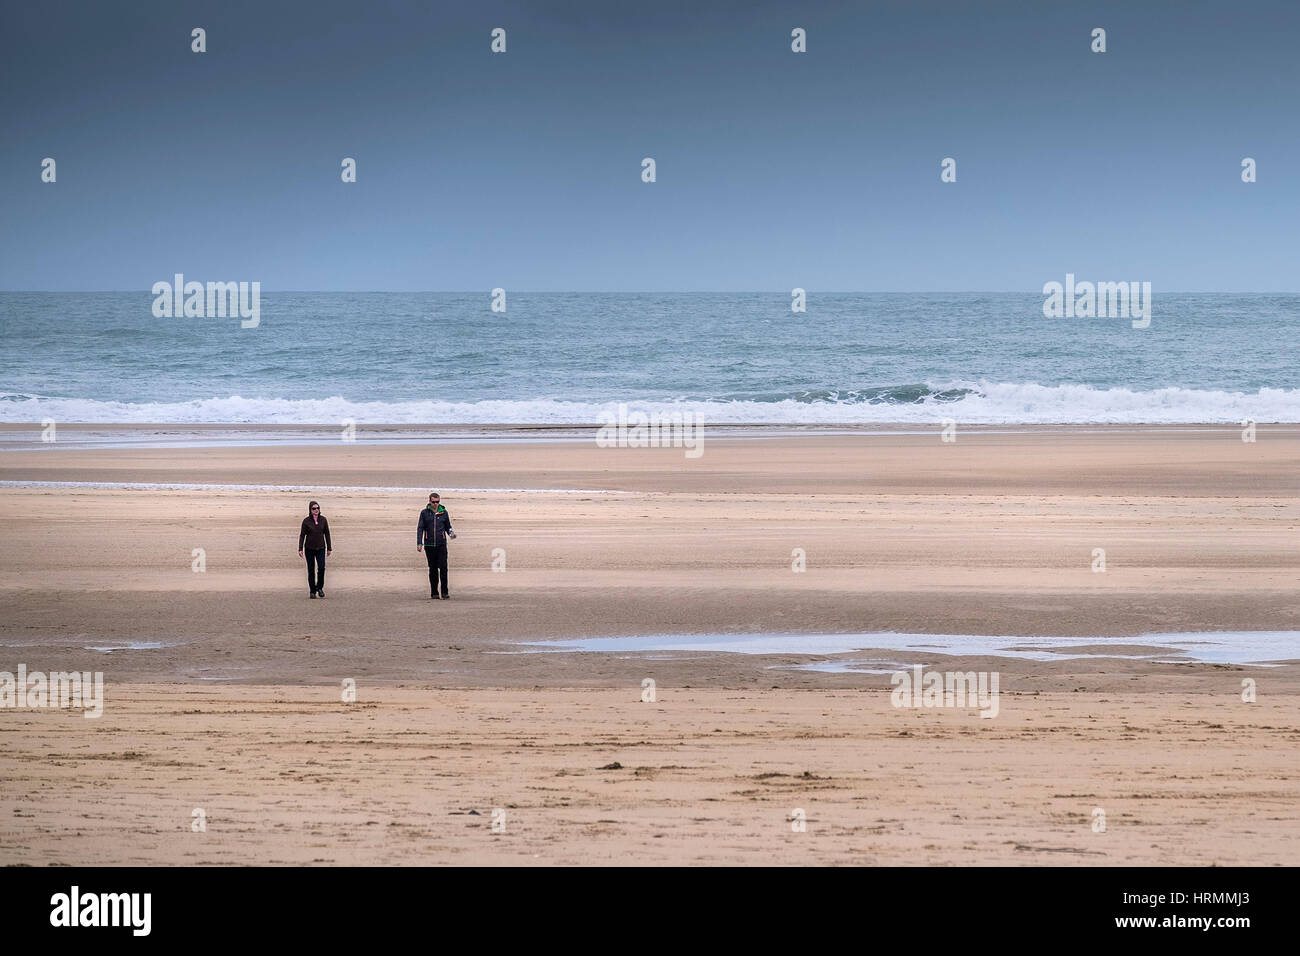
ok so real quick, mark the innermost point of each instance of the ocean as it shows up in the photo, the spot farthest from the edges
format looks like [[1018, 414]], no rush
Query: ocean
[[732, 358]]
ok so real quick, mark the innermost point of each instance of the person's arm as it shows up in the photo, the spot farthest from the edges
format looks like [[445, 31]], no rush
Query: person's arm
[[325, 526], [302, 535], [419, 531], [450, 533]]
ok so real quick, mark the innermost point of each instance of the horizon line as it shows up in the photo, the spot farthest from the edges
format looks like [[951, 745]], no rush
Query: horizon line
[[653, 291]]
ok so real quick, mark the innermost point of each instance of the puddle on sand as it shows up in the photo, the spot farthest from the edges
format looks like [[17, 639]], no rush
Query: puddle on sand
[[852, 666], [101, 648], [1260, 648], [130, 646]]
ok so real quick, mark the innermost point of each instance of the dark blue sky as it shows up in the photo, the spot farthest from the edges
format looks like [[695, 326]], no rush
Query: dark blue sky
[[775, 169]]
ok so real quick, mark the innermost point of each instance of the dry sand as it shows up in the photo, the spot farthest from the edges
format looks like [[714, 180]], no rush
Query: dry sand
[[994, 534], [292, 775]]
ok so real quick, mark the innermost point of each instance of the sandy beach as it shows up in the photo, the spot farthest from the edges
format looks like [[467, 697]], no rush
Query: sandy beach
[[233, 702], [411, 774]]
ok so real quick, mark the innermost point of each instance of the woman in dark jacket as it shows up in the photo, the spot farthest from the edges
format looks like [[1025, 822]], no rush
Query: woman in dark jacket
[[315, 532]]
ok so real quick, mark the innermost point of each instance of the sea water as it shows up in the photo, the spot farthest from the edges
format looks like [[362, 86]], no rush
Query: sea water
[[732, 358]]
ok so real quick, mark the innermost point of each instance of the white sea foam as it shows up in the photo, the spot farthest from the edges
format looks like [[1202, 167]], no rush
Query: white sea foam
[[990, 403]]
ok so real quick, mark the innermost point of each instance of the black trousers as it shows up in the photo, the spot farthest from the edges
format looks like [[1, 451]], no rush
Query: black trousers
[[315, 559], [437, 558]]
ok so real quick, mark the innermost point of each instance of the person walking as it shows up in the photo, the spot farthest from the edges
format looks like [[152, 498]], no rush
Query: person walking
[[315, 533], [431, 534]]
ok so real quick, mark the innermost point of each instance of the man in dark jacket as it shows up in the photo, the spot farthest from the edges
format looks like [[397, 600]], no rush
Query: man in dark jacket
[[315, 532], [431, 534]]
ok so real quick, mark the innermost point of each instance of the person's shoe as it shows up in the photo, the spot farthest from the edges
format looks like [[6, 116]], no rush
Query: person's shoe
[[433, 597], [446, 597], [320, 593], [313, 595]]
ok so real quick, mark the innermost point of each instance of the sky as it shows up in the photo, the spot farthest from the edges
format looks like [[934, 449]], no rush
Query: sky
[[523, 170]]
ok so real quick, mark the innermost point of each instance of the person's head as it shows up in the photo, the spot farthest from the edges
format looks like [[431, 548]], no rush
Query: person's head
[[434, 500], [313, 509]]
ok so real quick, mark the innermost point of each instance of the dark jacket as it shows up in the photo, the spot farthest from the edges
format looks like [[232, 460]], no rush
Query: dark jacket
[[431, 530], [316, 534]]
